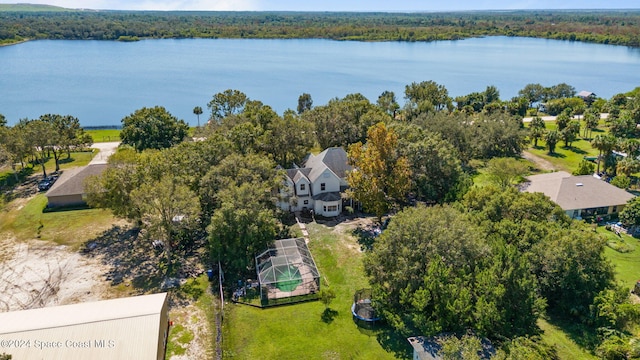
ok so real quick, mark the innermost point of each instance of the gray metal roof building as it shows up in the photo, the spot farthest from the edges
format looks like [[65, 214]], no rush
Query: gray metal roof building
[[126, 328]]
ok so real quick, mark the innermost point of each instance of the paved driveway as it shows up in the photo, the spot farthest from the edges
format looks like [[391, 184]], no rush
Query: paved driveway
[[105, 150]]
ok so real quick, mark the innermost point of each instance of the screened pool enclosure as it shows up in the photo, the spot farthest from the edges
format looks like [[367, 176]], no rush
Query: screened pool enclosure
[[286, 272]]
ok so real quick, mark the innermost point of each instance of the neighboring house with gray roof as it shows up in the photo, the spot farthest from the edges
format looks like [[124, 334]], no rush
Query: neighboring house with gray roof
[[318, 185], [579, 196], [69, 189]]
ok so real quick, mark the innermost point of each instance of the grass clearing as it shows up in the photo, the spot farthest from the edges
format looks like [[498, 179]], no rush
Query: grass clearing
[[104, 135], [566, 347], [72, 228], [296, 331], [564, 158]]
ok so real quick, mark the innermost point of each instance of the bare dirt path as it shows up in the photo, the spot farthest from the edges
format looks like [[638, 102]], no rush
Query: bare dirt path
[[541, 163]]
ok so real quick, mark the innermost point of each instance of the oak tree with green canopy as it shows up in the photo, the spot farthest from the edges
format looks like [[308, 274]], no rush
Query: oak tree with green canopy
[[432, 272], [387, 102], [226, 103], [381, 176], [630, 215], [241, 227], [505, 171], [436, 169], [426, 96], [42, 136], [342, 122], [152, 128], [166, 206]]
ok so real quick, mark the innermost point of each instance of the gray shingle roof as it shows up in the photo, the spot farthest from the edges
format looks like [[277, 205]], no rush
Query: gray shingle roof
[[71, 182], [328, 196], [334, 158], [578, 192]]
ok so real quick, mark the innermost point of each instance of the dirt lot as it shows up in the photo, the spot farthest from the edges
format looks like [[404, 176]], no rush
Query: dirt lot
[[36, 274], [118, 262]]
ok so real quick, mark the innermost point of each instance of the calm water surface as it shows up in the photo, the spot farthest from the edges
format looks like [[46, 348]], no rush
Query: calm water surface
[[100, 82]]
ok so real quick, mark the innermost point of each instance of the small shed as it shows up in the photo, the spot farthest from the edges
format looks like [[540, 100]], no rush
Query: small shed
[[69, 189], [133, 328], [286, 271]]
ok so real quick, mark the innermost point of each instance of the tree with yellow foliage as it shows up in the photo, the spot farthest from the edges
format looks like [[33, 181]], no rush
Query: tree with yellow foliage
[[381, 176]]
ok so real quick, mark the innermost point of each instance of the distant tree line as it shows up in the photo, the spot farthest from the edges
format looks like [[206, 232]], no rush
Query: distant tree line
[[604, 27]]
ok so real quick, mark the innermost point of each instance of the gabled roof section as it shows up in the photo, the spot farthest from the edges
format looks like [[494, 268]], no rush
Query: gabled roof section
[[334, 158], [71, 182], [297, 174]]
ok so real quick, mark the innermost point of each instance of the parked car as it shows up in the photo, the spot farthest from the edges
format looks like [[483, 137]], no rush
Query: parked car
[[44, 185], [47, 182]]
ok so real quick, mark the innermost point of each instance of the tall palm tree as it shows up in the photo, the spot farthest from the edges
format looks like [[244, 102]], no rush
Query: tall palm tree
[[198, 111], [605, 145], [552, 137]]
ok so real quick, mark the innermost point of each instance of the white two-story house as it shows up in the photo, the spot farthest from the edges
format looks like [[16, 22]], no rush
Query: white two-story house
[[317, 186]]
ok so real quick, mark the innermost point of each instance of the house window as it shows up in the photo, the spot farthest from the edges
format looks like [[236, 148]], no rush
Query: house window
[[323, 186], [306, 202], [332, 208], [302, 187]]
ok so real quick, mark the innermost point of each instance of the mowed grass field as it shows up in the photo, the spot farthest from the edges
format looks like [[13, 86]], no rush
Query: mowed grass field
[[104, 135], [299, 331], [566, 158]]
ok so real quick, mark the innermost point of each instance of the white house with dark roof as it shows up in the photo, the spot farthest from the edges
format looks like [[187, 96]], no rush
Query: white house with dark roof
[[318, 185], [579, 196]]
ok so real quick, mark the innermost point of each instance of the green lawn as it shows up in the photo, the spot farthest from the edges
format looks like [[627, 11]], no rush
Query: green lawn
[[27, 221], [104, 135], [298, 331], [566, 159], [566, 347]]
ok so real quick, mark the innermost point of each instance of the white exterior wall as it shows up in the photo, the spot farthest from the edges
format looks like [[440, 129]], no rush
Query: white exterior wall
[[331, 181], [320, 206], [302, 205], [305, 182]]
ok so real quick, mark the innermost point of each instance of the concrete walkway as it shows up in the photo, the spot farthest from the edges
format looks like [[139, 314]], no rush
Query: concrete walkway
[[303, 228], [105, 150]]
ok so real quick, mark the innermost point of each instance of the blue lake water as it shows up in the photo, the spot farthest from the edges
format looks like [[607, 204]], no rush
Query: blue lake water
[[100, 82]]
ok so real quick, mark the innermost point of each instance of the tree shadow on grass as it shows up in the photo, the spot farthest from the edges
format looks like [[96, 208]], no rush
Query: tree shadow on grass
[[557, 155], [575, 150], [394, 342], [328, 315], [66, 160], [583, 335]]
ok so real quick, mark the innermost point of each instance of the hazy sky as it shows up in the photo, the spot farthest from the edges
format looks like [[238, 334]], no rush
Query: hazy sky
[[337, 5]]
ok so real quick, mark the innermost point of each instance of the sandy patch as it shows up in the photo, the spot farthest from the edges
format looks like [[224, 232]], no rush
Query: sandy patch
[[36, 274]]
